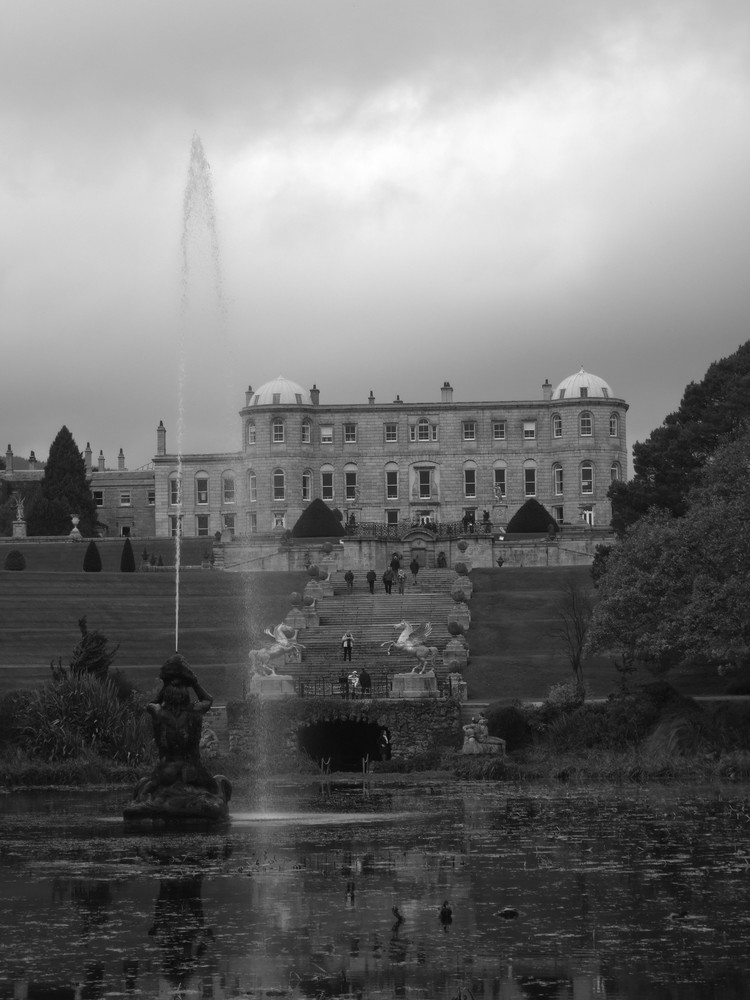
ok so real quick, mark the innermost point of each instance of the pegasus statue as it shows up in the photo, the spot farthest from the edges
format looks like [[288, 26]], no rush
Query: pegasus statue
[[413, 639], [284, 643]]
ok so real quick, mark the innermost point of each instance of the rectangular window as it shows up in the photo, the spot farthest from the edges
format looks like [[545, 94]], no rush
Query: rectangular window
[[391, 517], [529, 482], [152, 498], [228, 485], [470, 430], [470, 482], [201, 491], [174, 525], [279, 491], [306, 436], [529, 430], [350, 485], [584, 392], [498, 430], [125, 498], [326, 485], [174, 491], [252, 487], [424, 484], [586, 425], [557, 426], [326, 434], [278, 432], [201, 525], [229, 522], [251, 433], [557, 513], [306, 486], [252, 523], [99, 498], [350, 433], [500, 482], [391, 432], [587, 479], [391, 484]]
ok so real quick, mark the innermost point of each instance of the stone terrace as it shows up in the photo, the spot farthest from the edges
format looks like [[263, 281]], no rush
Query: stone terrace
[[371, 619]]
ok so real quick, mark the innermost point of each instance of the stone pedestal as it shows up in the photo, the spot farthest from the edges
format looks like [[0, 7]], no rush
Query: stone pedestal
[[271, 687], [455, 655], [414, 685], [19, 529], [312, 618], [296, 619], [461, 615]]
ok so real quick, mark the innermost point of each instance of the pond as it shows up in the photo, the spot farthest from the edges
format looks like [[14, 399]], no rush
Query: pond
[[335, 890]]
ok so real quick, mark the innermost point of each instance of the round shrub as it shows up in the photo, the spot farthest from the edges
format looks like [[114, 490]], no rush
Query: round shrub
[[15, 560], [461, 568], [313, 571], [295, 599]]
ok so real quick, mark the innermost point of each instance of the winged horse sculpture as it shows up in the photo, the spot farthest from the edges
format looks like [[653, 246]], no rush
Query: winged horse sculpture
[[284, 642], [413, 640]]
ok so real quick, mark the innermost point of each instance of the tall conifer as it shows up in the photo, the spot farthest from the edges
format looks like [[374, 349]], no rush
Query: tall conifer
[[65, 490]]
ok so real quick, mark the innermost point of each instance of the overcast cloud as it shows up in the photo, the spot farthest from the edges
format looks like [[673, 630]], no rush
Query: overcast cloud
[[406, 192]]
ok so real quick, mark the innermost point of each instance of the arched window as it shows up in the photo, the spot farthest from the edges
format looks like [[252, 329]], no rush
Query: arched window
[[277, 431], [252, 486], [250, 432], [423, 429], [279, 485], [227, 488], [306, 432], [556, 425], [614, 425], [557, 479], [470, 480], [587, 478], [500, 480], [615, 472], [350, 482], [306, 486], [586, 424], [391, 481], [174, 489], [529, 479]]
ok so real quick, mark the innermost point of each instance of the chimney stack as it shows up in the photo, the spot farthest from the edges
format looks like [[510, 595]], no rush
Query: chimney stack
[[101, 461], [9, 459], [547, 390], [121, 460], [371, 399], [248, 395], [446, 393], [315, 395], [87, 456], [161, 439]]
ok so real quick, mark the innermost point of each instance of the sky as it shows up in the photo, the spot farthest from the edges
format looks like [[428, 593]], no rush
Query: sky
[[395, 193]]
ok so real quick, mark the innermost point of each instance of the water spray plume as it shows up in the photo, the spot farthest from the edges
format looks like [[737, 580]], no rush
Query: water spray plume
[[199, 233]]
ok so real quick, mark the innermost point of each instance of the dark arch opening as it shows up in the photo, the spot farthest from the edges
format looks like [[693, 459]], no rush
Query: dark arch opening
[[345, 743]]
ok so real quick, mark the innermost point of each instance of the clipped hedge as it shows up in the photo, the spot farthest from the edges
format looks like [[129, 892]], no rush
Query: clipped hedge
[[15, 561]]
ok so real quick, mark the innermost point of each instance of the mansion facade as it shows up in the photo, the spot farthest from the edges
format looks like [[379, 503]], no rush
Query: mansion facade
[[386, 467], [398, 464]]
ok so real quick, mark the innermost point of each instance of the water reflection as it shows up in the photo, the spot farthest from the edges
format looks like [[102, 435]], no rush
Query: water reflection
[[362, 891]]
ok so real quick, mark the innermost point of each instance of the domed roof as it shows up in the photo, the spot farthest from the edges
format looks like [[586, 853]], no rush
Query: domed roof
[[581, 385], [281, 392]]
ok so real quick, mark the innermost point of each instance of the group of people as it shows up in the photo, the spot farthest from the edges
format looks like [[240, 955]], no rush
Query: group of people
[[358, 682]]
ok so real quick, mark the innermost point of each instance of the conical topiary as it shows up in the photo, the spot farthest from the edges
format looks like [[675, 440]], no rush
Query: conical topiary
[[15, 560], [127, 559], [317, 521], [532, 518], [92, 561]]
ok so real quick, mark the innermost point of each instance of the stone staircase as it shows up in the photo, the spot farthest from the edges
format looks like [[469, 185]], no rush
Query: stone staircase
[[371, 619]]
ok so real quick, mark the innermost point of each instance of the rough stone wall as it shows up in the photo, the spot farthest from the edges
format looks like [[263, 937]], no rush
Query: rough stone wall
[[266, 732]]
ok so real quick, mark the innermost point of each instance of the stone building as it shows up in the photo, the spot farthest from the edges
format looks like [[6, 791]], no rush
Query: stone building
[[387, 466]]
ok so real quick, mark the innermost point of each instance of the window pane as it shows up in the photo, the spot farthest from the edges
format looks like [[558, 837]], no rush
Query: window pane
[[278, 485], [201, 491], [391, 485], [586, 425], [228, 490], [350, 485], [305, 433], [498, 430], [500, 482], [587, 479], [470, 482], [326, 482], [529, 482], [391, 432]]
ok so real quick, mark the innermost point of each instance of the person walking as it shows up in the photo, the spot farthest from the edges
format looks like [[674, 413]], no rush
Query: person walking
[[349, 577], [365, 683], [395, 563], [371, 578], [401, 581], [347, 643], [388, 580], [414, 567]]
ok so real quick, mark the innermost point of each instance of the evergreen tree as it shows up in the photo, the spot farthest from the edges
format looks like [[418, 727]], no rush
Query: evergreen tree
[[127, 559], [92, 560], [65, 490], [667, 462], [531, 518]]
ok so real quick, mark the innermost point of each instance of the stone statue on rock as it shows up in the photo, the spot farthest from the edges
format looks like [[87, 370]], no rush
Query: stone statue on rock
[[179, 789], [478, 741]]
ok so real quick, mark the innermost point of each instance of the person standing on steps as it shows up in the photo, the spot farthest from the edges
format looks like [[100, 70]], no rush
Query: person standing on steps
[[347, 643], [414, 567], [349, 578], [371, 578], [388, 580], [401, 581]]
